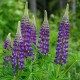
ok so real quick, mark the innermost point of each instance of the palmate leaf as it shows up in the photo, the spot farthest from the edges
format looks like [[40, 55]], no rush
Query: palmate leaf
[[7, 52], [1, 62], [1, 48]]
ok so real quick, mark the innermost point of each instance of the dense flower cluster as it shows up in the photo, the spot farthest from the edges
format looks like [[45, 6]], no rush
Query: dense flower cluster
[[26, 37], [7, 43], [7, 46], [33, 31], [62, 42], [26, 34], [44, 37], [18, 50]]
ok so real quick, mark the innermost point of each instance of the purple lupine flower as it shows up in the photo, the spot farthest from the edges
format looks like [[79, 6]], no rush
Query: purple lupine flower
[[62, 42], [7, 43], [7, 46], [26, 34], [18, 53], [33, 32], [44, 37], [21, 55]]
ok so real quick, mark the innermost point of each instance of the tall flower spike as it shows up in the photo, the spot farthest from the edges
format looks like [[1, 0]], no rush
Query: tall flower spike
[[26, 34], [62, 42], [33, 32], [21, 48], [18, 54], [7, 42], [7, 46], [44, 36]]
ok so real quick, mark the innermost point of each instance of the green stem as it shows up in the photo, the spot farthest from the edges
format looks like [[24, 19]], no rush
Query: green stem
[[68, 69], [58, 69]]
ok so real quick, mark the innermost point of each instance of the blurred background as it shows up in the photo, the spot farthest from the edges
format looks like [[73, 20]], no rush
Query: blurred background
[[11, 11]]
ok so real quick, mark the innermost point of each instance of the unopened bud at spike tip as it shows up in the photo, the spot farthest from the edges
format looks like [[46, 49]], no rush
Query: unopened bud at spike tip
[[9, 36], [34, 21], [18, 29], [45, 16], [26, 9], [67, 7], [66, 16]]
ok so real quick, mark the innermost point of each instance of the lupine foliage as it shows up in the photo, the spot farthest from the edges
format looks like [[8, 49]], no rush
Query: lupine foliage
[[43, 68]]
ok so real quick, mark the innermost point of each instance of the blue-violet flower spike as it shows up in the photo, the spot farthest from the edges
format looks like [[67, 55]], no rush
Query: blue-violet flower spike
[[26, 34], [62, 42], [18, 50], [44, 37], [7, 46], [33, 32], [7, 42]]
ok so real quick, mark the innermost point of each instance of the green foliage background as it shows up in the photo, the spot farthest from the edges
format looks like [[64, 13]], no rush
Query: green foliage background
[[11, 12]]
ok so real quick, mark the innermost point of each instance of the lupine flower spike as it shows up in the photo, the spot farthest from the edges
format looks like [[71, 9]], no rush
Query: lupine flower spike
[[44, 36], [21, 48], [18, 53], [62, 42], [7, 42], [7, 46], [33, 32], [26, 34]]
